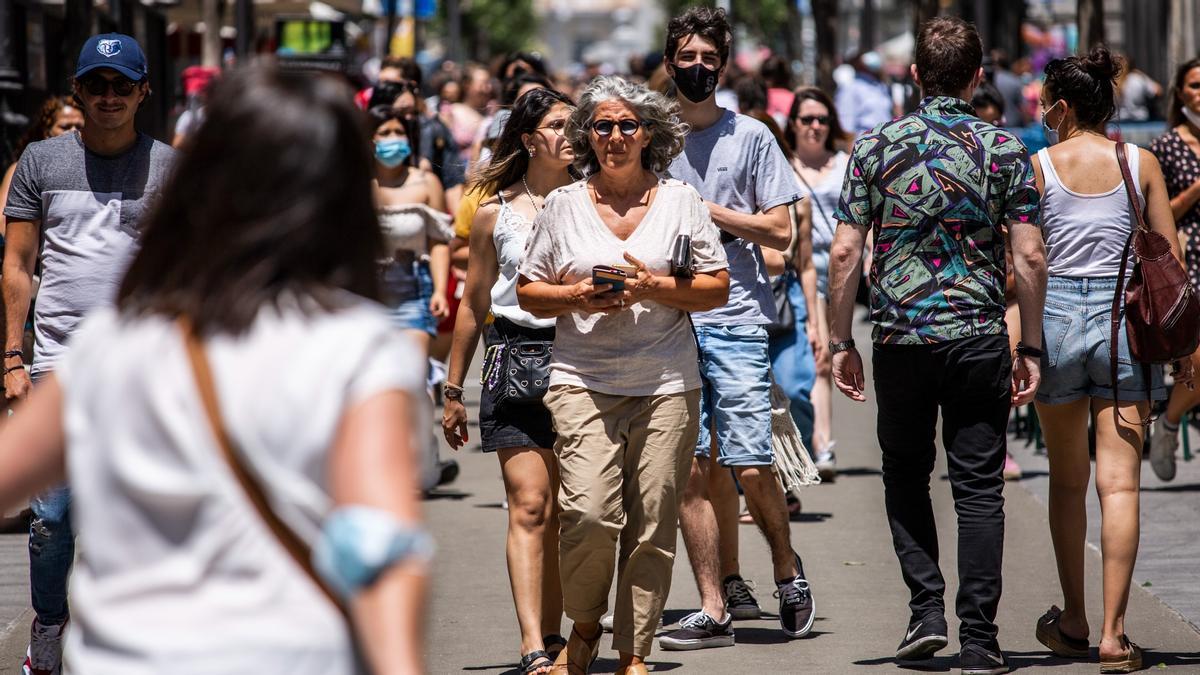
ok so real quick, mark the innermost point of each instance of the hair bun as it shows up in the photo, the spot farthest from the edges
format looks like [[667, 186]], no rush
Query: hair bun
[[1102, 64]]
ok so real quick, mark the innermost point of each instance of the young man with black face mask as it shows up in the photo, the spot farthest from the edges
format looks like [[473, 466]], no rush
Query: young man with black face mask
[[74, 205], [748, 185]]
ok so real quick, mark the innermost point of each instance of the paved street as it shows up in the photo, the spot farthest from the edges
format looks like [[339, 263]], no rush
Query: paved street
[[861, 601]]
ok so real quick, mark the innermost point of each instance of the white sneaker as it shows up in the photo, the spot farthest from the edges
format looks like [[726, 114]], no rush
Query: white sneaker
[[44, 654], [826, 463], [1163, 444], [606, 622]]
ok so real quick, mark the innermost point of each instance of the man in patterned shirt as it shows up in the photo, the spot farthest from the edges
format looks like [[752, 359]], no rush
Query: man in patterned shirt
[[936, 187]]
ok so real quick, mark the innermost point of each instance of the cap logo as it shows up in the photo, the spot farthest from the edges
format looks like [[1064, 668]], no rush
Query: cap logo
[[109, 47]]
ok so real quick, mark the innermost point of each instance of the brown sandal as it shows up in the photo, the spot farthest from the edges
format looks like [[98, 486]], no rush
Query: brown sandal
[[1128, 662], [579, 654]]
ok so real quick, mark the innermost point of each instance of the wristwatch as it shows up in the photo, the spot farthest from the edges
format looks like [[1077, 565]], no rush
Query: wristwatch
[[452, 392], [843, 346]]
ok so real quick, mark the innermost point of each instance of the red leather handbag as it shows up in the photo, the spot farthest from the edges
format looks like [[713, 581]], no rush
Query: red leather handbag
[[1162, 312]]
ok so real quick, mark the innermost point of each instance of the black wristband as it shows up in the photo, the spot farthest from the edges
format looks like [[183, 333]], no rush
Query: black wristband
[[14, 352], [12, 368], [1025, 350]]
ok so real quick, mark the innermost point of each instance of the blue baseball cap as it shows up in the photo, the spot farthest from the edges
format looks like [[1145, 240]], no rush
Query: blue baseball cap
[[112, 50]]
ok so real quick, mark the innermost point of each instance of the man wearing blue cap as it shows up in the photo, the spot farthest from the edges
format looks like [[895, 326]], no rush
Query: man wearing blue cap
[[78, 199]]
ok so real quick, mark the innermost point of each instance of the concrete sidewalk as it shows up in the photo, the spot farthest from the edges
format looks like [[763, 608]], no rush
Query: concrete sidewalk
[[844, 539]]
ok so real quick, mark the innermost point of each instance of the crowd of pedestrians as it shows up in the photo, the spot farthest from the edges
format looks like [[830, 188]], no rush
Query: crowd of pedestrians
[[644, 264]]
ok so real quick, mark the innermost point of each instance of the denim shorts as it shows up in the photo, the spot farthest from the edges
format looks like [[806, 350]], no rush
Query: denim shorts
[[1076, 330], [407, 290], [735, 397], [820, 261]]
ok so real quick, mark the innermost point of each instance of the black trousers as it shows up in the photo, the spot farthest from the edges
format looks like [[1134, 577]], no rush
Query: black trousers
[[968, 380]]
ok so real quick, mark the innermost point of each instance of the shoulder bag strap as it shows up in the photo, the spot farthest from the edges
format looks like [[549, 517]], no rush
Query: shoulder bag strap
[[296, 547], [1115, 327]]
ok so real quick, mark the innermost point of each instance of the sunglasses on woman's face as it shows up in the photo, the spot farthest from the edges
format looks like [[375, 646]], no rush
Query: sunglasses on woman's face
[[99, 86], [807, 120], [628, 127]]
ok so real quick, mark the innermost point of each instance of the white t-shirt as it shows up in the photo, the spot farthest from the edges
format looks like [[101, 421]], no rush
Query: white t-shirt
[[648, 348], [177, 572]]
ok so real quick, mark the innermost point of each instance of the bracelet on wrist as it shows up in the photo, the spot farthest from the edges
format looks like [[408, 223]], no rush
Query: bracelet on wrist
[[12, 368], [838, 347], [14, 352], [1026, 350], [452, 392]]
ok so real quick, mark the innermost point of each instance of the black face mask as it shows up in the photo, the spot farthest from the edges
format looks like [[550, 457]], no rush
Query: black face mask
[[696, 82]]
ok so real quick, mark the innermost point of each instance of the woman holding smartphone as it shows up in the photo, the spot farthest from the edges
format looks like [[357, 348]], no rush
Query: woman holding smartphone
[[624, 382], [530, 160]]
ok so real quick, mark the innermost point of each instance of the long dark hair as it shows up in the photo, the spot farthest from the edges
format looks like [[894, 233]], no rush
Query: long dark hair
[[271, 197], [1087, 83], [510, 160], [836, 133], [1175, 112]]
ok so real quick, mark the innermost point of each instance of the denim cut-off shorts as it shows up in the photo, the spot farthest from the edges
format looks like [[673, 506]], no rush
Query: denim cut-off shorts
[[1076, 329], [407, 290], [735, 399]]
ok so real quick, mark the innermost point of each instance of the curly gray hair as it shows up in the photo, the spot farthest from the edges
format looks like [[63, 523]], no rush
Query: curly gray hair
[[661, 115]]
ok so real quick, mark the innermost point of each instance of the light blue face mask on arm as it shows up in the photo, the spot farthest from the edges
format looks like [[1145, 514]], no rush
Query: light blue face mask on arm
[[359, 543]]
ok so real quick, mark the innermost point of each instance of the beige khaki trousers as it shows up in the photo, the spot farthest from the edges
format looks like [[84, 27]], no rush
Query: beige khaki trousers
[[623, 463]]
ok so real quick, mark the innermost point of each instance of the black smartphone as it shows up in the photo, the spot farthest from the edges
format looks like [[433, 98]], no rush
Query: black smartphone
[[605, 274]]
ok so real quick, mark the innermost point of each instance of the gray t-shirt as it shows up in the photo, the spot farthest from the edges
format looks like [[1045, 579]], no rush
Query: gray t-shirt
[[737, 164], [90, 207], [648, 348]]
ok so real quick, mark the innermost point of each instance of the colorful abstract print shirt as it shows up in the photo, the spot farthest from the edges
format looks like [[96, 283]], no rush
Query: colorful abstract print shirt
[[936, 187]]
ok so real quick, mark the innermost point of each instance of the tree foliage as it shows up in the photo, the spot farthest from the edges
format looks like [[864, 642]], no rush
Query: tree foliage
[[491, 27]]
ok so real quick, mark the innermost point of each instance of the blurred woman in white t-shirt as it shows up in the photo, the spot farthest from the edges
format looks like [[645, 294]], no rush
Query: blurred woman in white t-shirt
[[263, 249]]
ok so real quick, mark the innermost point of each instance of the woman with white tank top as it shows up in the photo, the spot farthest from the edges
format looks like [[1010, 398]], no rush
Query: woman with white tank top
[[530, 160], [1086, 221]]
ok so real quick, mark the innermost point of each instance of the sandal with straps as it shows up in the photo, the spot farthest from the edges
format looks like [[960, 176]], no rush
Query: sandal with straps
[[554, 644], [568, 663], [536, 663], [1128, 662]]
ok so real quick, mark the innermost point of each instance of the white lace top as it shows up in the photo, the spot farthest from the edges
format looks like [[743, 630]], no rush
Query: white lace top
[[509, 235]]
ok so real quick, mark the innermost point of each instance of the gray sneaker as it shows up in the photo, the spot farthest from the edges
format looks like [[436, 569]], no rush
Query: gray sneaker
[[698, 631], [1163, 444], [739, 601], [826, 463]]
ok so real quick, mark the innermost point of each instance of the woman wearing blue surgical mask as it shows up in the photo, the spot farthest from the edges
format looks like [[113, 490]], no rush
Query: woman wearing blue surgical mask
[[411, 206], [1086, 219]]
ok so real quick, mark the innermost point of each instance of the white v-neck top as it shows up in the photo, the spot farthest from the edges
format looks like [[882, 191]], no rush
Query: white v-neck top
[[647, 348]]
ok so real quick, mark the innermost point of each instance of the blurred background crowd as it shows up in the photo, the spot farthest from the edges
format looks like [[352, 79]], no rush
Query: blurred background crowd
[[859, 48]]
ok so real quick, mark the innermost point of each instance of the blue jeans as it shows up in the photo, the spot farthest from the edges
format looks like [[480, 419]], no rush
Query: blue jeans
[[51, 554], [735, 397], [793, 363]]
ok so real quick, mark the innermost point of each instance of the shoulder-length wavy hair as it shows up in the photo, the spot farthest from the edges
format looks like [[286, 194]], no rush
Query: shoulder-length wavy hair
[[510, 159], [271, 198], [661, 115], [39, 128]]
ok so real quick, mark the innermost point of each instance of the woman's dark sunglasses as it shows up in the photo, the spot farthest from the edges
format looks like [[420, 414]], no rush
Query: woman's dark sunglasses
[[98, 86], [628, 127], [807, 120]]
